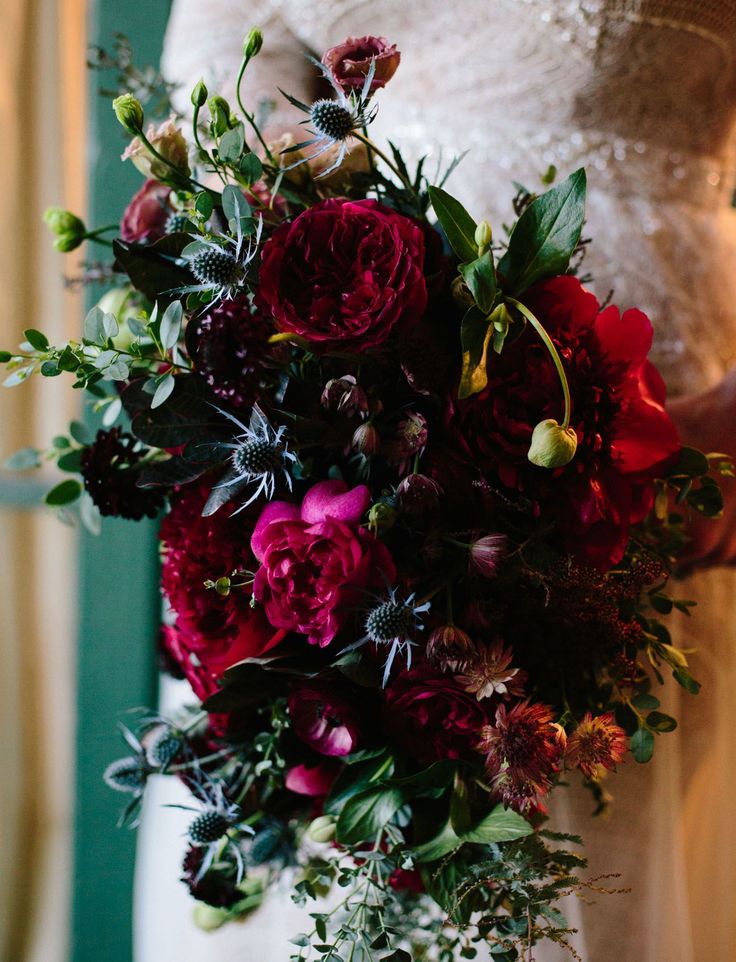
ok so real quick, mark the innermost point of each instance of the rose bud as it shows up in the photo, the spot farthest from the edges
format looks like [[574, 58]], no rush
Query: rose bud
[[345, 395], [147, 214], [486, 553], [552, 445], [199, 94], [366, 439], [350, 61], [252, 43], [418, 494], [449, 648], [322, 829], [222, 118], [483, 237], [129, 112]]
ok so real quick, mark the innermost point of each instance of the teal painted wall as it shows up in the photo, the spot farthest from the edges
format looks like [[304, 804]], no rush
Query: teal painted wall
[[118, 595]]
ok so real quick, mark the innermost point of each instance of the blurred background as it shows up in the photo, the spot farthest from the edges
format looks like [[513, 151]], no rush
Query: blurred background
[[68, 670]]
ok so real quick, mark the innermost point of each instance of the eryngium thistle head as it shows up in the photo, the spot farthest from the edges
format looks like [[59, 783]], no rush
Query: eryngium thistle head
[[126, 775], [255, 457], [178, 223], [330, 119], [388, 621], [216, 267], [163, 749], [208, 827]]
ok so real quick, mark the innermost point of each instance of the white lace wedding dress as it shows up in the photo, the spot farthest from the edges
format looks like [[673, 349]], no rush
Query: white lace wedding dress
[[643, 93]]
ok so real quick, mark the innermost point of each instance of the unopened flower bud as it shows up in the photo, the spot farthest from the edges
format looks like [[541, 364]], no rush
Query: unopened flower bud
[[483, 237], [60, 221], [417, 494], [501, 319], [486, 554], [552, 445], [221, 118], [366, 439], [381, 517], [129, 112], [252, 43], [199, 95], [449, 648], [68, 242], [345, 395], [322, 829]]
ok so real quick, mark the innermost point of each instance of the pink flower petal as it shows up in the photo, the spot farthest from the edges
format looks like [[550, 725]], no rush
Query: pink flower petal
[[275, 511], [331, 499]]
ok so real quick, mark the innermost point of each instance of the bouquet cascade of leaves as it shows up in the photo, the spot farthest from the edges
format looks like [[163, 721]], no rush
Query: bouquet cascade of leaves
[[421, 502]]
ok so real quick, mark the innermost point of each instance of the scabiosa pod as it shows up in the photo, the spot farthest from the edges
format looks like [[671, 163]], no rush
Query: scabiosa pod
[[260, 456]]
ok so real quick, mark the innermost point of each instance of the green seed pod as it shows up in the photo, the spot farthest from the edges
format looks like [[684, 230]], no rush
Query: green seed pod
[[322, 829], [60, 221], [552, 445]]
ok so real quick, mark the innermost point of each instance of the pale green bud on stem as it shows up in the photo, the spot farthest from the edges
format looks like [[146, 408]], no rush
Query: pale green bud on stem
[[221, 118], [252, 43], [69, 229], [322, 829], [129, 112], [483, 237], [552, 445], [199, 95], [501, 319]]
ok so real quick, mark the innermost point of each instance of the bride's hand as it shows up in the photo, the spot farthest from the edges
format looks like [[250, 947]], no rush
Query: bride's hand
[[707, 421]]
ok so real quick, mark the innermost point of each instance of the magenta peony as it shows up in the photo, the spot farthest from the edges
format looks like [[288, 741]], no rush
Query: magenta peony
[[316, 559]]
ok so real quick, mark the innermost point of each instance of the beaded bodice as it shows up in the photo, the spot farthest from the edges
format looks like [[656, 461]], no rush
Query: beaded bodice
[[642, 92]]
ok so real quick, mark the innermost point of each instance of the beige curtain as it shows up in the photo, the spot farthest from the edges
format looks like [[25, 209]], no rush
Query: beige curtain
[[42, 162]]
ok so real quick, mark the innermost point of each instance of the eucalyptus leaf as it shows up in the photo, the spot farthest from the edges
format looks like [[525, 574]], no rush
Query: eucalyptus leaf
[[80, 432], [232, 144], [642, 745], [71, 461], [456, 222], [475, 334], [171, 322], [65, 493], [23, 460], [163, 391], [36, 339], [93, 329], [661, 722], [251, 167], [203, 204], [118, 370], [110, 326], [545, 235], [234, 206]]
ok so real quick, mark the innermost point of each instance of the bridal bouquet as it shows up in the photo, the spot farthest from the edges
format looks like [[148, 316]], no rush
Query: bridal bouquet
[[421, 500]]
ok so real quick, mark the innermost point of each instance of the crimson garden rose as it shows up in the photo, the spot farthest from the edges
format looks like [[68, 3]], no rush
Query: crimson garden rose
[[625, 437], [350, 61], [323, 720], [344, 275], [316, 560], [432, 715], [211, 632]]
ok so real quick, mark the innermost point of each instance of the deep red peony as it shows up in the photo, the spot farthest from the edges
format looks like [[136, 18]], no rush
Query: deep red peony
[[144, 220], [432, 715], [344, 274], [316, 559], [625, 436], [211, 632], [323, 720]]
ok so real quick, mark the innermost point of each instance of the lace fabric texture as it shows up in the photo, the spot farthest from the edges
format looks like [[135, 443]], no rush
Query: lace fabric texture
[[643, 93]]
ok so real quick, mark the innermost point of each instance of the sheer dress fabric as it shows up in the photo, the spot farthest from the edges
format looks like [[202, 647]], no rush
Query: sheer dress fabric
[[644, 95]]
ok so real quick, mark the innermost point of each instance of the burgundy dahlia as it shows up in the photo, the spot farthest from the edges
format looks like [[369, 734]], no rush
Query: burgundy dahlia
[[111, 468], [229, 347]]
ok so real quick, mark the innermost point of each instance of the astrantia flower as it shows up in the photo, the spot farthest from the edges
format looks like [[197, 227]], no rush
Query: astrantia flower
[[449, 648], [431, 715], [350, 61], [409, 439], [486, 553], [596, 744], [625, 437], [317, 560], [260, 456], [344, 275], [490, 673], [394, 624], [228, 346], [110, 469], [332, 122], [210, 632], [345, 395], [523, 753], [323, 720]]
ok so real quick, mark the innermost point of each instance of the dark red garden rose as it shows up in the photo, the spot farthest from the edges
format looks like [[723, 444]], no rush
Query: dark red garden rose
[[431, 715], [350, 61], [211, 632], [323, 720], [625, 437], [316, 560], [144, 220], [344, 275]]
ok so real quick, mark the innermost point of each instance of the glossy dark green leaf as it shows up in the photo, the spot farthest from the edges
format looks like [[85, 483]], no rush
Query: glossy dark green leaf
[[250, 167], [64, 493], [661, 722], [203, 204], [500, 825], [683, 677], [355, 778], [5, 356], [431, 782], [36, 339], [691, 462], [71, 461], [456, 222], [545, 235], [363, 815], [154, 269], [480, 276]]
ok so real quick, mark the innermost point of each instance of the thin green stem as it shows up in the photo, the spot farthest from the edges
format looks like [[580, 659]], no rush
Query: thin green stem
[[101, 230], [556, 359], [147, 143], [379, 153], [248, 116]]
